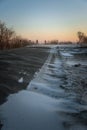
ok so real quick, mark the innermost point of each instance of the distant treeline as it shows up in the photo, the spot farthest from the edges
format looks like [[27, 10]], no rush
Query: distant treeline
[[9, 39], [82, 40], [56, 42]]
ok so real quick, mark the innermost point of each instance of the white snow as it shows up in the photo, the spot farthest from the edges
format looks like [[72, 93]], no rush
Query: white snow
[[37, 109], [66, 54], [21, 80]]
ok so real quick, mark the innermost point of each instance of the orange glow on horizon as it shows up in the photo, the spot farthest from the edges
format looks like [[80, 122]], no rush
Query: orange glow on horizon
[[50, 36], [61, 33]]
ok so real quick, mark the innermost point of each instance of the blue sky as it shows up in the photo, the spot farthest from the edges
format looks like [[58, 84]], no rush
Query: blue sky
[[45, 19]]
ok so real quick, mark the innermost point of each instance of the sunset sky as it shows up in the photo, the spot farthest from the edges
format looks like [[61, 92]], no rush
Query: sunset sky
[[45, 19]]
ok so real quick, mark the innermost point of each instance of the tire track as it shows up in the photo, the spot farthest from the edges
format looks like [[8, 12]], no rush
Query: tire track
[[51, 77]]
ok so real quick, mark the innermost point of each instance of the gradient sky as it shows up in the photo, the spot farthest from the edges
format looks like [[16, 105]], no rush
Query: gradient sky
[[45, 19]]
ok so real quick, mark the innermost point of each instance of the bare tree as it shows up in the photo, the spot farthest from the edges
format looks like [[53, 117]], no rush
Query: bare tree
[[85, 39], [82, 37], [2, 32], [6, 36]]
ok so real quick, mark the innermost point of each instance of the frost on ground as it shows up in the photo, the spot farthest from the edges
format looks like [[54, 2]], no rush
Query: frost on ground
[[76, 71], [56, 97]]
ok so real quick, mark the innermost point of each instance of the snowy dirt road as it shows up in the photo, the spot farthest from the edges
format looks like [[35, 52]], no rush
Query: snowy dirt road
[[53, 99], [51, 76]]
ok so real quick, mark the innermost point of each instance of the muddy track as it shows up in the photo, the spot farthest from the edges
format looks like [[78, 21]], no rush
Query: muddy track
[[17, 64], [56, 97]]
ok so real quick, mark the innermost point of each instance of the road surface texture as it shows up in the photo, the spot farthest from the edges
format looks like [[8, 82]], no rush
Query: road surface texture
[[55, 98], [17, 67]]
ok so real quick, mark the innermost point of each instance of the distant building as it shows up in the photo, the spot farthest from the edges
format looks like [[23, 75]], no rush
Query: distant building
[[36, 41], [45, 41]]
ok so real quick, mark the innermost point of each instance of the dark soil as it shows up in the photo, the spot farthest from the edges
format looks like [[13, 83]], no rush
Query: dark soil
[[17, 63]]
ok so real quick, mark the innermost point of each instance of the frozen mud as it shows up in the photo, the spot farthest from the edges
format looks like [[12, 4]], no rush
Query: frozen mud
[[55, 99]]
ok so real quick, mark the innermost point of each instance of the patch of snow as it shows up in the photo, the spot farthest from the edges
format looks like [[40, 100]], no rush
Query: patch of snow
[[66, 54], [21, 80]]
